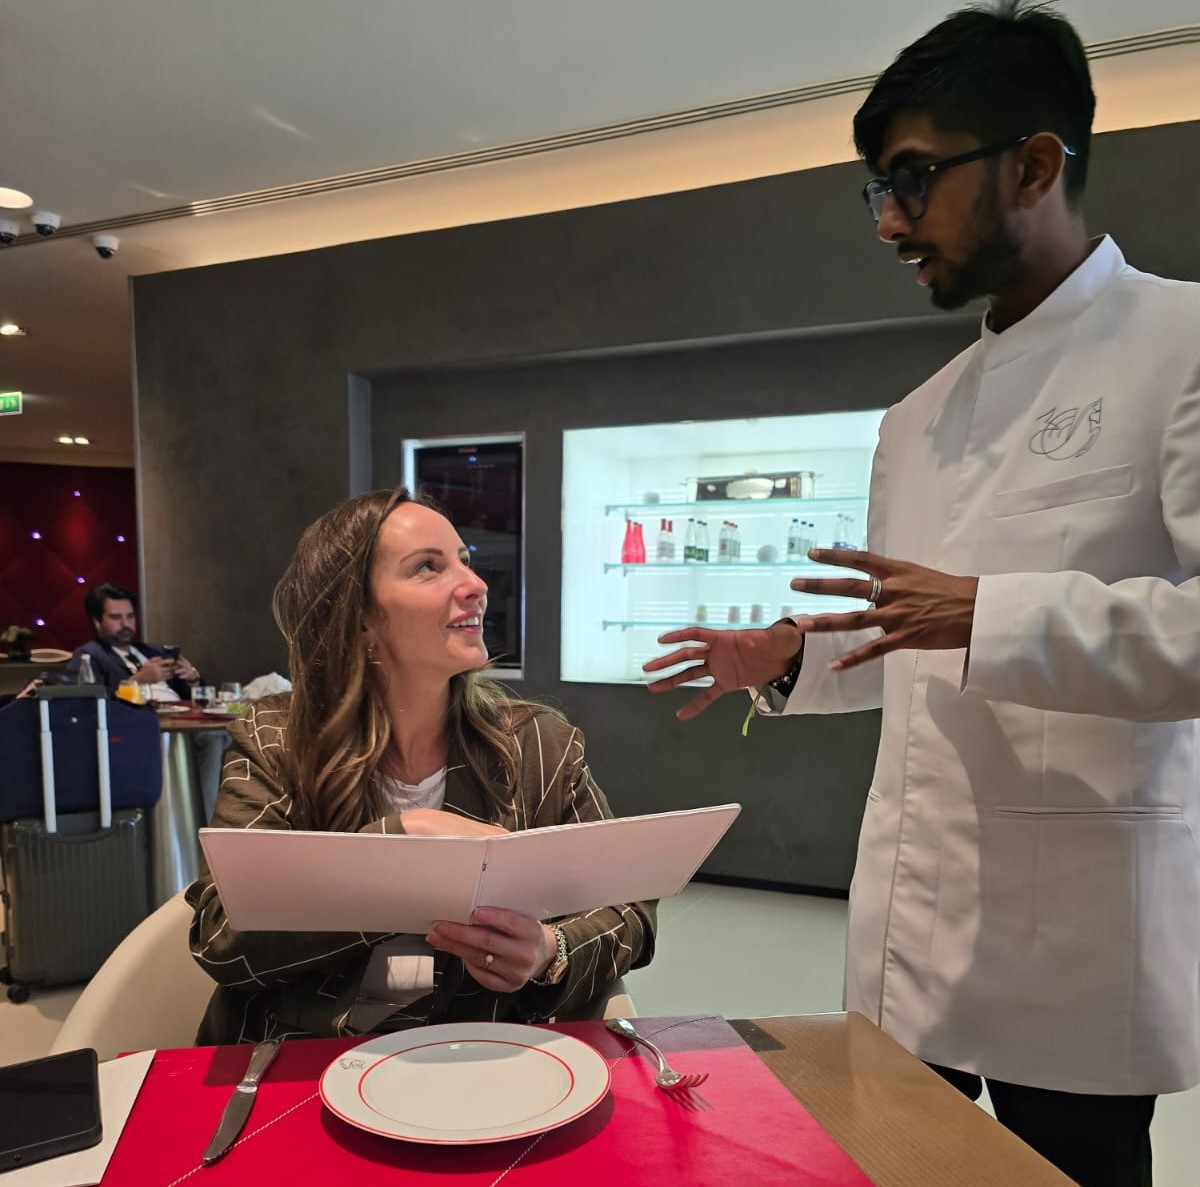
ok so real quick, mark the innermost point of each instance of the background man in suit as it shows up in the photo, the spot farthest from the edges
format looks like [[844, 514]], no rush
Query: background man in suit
[[117, 654]]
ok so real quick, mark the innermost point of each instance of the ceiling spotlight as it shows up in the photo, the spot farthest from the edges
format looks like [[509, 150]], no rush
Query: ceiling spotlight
[[44, 222], [14, 199], [65, 440], [10, 329], [82, 441], [8, 232], [106, 246]]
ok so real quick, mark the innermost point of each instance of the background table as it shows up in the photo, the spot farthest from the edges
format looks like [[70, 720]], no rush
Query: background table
[[902, 1123], [179, 815], [15, 675]]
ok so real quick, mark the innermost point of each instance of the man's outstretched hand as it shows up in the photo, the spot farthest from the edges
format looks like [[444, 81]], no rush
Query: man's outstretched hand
[[732, 659]]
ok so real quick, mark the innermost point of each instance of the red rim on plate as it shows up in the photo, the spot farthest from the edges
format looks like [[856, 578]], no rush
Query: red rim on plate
[[527, 1079]]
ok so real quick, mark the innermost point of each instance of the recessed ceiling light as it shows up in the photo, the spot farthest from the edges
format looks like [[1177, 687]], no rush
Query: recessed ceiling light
[[65, 440], [82, 441], [10, 329], [14, 199]]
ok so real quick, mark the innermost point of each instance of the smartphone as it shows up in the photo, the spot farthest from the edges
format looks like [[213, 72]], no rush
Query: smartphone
[[170, 652], [48, 1107]]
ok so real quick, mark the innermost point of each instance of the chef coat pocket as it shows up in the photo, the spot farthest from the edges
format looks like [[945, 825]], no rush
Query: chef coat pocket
[[1109, 483], [1090, 896]]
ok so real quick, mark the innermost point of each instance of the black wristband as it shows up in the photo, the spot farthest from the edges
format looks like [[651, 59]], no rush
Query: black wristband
[[784, 684]]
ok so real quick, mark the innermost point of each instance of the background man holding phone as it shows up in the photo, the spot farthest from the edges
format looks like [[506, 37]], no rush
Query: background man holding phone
[[118, 655]]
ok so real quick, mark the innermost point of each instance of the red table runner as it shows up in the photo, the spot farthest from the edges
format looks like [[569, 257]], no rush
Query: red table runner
[[740, 1126]]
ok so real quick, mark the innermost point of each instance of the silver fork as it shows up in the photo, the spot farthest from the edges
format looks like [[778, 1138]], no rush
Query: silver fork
[[668, 1078]]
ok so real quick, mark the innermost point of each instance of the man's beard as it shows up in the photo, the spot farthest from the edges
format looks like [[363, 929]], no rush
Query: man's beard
[[992, 263]]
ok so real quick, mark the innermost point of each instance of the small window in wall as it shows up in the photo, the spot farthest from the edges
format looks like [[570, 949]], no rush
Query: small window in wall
[[479, 482]]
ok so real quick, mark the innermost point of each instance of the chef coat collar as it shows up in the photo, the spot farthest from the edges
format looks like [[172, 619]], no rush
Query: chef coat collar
[[1060, 308]]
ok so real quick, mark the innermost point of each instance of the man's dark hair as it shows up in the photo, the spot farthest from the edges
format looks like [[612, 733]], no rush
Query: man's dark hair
[[997, 72], [94, 599]]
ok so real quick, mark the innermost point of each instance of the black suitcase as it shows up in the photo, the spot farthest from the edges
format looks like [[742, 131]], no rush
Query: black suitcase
[[75, 884]]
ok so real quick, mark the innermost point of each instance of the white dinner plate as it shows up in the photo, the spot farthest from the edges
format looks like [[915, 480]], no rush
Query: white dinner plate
[[465, 1083]]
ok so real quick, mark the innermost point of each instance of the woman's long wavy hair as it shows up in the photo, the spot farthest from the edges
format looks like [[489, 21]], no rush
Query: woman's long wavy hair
[[338, 729]]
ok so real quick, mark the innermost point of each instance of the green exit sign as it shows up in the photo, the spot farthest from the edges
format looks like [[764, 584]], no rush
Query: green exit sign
[[10, 403]]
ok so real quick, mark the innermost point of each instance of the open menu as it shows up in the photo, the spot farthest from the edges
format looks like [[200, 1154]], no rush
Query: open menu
[[276, 880]]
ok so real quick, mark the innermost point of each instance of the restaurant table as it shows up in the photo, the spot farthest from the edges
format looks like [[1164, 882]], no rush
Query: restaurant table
[[179, 814], [899, 1121], [820, 1101], [16, 674]]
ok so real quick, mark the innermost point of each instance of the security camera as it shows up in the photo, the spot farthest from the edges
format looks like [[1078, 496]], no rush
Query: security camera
[[106, 246], [45, 223], [8, 232]]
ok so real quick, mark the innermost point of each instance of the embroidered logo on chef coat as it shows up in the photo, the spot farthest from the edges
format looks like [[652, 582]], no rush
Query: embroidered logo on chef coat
[[1067, 434]]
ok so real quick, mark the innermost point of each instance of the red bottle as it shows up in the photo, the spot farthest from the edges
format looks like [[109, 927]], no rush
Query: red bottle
[[628, 547]]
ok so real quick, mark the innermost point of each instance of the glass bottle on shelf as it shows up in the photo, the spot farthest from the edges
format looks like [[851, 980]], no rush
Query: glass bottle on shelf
[[639, 544], [841, 538], [702, 541], [735, 542], [724, 544], [628, 546], [795, 542], [665, 549], [689, 542]]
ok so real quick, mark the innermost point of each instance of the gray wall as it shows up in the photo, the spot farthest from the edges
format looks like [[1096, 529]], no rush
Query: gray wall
[[269, 389]]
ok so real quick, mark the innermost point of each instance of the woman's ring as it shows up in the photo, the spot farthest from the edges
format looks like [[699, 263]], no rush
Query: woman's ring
[[487, 960], [876, 590]]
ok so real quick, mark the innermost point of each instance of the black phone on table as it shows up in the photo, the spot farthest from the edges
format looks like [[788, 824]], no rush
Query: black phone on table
[[49, 1106]]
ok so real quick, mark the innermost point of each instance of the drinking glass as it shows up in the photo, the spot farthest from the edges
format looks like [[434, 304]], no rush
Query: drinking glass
[[203, 695], [231, 692]]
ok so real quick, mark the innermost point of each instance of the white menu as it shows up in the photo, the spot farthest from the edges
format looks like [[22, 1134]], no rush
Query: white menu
[[277, 880]]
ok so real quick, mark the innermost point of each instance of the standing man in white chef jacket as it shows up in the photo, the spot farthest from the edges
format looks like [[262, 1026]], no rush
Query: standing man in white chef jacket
[[1026, 901]]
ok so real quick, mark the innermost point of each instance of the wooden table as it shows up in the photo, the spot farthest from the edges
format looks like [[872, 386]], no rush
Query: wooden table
[[902, 1123]]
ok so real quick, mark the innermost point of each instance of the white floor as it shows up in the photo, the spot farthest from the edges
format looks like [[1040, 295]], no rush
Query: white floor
[[725, 950]]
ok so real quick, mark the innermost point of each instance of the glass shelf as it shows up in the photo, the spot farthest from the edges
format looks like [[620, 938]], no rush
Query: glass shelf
[[757, 505], [642, 624], [712, 566]]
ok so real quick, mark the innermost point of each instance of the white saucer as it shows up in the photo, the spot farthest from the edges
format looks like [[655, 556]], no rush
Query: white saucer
[[465, 1083]]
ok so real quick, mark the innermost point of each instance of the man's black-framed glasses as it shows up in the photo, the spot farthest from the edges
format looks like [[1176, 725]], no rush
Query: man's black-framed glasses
[[910, 185]]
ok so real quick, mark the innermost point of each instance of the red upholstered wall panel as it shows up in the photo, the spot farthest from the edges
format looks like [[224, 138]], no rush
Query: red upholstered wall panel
[[90, 535]]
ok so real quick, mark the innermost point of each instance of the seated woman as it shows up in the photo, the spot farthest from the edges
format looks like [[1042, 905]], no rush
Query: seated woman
[[392, 727]]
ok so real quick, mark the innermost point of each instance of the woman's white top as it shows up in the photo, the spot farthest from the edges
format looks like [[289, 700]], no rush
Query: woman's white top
[[401, 970]]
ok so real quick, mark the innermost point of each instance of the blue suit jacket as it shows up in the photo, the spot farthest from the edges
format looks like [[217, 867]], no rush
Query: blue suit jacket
[[110, 668]]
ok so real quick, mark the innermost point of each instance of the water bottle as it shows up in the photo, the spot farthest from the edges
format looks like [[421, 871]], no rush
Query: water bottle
[[795, 543], [689, 542], [841, 537], [702, 540], [735, 542], [724, 553], [86, 675]]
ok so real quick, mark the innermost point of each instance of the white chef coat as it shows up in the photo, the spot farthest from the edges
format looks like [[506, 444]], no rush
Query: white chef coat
[[1026, 900]]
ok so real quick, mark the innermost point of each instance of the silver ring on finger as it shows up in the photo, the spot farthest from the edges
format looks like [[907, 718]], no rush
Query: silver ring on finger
[[876, 590], [487, 960]]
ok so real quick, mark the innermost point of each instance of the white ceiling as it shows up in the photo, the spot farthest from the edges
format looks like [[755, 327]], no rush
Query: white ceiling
[[133, 106]]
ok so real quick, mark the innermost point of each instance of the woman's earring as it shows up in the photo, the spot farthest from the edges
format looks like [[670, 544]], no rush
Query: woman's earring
[[371, 654]]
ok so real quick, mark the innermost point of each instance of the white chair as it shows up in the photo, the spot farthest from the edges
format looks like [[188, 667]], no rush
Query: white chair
[[614, 1003], [148, 993]]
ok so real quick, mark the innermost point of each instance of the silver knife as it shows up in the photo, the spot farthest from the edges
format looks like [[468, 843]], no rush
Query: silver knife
[[238, 1108]]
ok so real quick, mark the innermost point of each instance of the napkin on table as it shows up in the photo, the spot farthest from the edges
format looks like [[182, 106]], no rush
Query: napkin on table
[[120, 1082], [264, 686]]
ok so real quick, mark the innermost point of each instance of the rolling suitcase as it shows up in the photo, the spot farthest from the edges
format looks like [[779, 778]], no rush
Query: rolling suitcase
[[75, 884]]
